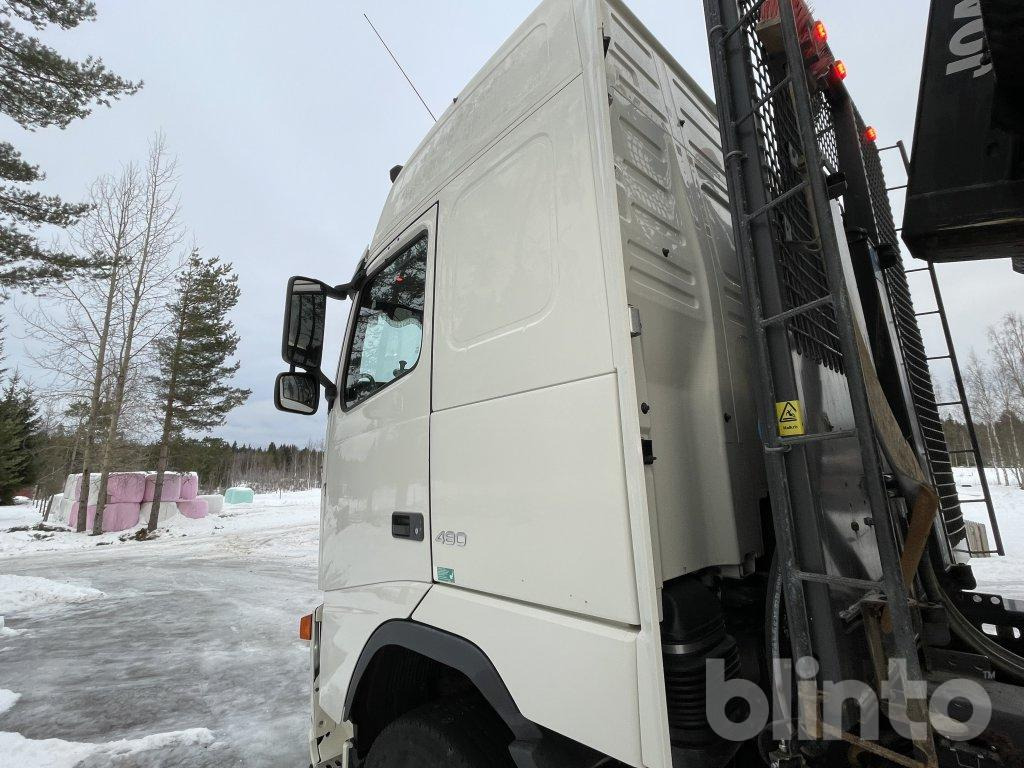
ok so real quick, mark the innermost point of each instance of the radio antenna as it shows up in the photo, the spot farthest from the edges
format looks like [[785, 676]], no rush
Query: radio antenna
[[404, 73]]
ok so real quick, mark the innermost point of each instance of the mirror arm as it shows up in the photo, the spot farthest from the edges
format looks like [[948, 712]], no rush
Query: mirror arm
[[330, 390], [352, 287]]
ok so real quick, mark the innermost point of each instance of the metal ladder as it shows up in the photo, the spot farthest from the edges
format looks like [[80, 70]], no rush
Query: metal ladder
[[753, 104], [917, 362]]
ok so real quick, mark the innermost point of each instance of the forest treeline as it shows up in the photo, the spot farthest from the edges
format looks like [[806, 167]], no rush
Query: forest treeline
[[220, 464], [995, 393]]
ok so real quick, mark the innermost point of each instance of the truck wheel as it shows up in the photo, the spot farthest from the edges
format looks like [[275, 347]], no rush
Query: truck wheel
[[452, 733]]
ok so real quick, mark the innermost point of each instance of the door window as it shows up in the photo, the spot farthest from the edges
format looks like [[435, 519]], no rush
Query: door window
[[388, 330]]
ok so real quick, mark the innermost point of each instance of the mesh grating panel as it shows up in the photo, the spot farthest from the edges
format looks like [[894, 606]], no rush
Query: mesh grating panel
[[908, 332], [801, 266], [884, 223], [826, 133]]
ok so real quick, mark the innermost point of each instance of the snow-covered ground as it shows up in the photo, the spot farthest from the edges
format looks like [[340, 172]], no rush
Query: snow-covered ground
[[179, 651], [183, 651], [268, 515], [1001, 575], [20, 592]]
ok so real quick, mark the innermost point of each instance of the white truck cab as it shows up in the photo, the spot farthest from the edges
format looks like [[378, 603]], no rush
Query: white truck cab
[[540, 421]]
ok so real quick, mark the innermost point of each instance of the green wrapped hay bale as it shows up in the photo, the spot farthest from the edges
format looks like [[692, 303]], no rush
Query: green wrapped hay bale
[[238, 495]]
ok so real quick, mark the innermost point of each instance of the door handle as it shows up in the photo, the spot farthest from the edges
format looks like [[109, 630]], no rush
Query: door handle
[[407, 525]]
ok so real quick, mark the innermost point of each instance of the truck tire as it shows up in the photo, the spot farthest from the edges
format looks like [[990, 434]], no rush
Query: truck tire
[[451, 733]]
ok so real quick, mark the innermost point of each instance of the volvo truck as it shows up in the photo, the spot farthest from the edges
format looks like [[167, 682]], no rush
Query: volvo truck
[[559, 509]]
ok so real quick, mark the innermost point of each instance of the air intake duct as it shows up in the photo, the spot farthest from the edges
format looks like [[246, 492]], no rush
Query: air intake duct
[[692, 632]]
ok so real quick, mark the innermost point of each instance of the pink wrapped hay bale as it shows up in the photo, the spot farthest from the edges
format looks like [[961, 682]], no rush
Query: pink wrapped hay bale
[[116, 516], [171, 490], [194, 508], [189, 486], [129, 487]]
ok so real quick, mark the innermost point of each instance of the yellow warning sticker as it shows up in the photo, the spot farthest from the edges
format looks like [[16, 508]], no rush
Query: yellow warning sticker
[[789, 418]]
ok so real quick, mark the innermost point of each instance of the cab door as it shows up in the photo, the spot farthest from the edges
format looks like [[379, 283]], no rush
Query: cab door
[[376, 517]]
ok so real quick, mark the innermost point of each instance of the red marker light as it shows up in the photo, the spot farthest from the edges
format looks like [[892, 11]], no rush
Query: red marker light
[[870, 134], [819, 31], [839, 70]]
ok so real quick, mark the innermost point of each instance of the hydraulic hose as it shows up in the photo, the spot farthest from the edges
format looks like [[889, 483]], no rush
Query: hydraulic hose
[[1006, 662]]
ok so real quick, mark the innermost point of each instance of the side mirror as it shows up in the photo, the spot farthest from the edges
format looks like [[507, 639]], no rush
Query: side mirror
[[305, 314], [297, 393]]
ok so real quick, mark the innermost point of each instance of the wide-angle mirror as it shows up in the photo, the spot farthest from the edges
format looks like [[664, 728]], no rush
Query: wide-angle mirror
[[297, 392]]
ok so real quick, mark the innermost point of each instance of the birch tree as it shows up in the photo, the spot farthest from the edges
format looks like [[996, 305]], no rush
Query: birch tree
[[983, 400], [143, 294], [1007, 346], [75, 330], [195, 368]]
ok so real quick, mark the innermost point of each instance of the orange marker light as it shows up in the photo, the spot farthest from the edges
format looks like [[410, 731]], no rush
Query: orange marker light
[[871, 134], [306, 627], [839, 70], [819, 31]]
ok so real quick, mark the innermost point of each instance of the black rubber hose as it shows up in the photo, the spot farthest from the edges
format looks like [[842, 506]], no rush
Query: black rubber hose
[[1010, 664]]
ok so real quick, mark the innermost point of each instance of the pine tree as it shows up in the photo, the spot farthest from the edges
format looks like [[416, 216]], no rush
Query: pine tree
[[194, 360], [40, 88], [19, 430]]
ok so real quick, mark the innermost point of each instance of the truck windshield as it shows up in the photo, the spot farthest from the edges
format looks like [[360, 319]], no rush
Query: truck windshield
[[388, 330]]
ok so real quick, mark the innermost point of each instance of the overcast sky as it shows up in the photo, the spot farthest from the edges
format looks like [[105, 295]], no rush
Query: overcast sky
[[286, 119]]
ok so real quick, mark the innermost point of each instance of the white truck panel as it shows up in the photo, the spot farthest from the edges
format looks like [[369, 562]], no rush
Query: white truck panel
[[691, 357], [350, 616], [575, 676], [376, 463], [535, 484], [538, 59], [520, 294]]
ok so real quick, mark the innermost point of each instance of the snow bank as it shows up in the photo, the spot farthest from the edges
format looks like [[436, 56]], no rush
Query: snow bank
[[57, 753], [16, 514], [8, 699], [20, 592], [6, 631]]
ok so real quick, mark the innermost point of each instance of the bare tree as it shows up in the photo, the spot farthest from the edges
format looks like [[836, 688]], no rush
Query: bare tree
[[97, 333], [144, 291], [1007, 346], [984, 403], [77, 327]]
